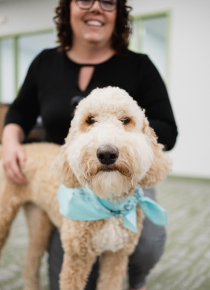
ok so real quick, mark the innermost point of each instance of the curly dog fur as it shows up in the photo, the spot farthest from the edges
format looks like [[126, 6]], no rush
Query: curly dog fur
[[107, 117]]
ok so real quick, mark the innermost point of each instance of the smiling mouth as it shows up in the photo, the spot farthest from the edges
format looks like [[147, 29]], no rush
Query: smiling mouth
[[107, 169], [114, 168], [94, 23]]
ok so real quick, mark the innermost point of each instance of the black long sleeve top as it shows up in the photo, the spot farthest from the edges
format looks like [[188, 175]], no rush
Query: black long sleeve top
[[52, 81]]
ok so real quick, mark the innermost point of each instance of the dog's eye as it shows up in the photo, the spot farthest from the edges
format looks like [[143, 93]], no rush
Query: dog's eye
[[125, 120], [90, 120]]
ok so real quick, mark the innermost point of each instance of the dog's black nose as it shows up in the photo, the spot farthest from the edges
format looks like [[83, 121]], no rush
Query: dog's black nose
[[107, 154]]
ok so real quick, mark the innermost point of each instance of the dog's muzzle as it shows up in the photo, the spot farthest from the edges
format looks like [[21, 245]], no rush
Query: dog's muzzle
[[107, 154]]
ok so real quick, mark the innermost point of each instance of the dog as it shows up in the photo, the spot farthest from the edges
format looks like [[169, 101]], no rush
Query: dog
[[111, 150]]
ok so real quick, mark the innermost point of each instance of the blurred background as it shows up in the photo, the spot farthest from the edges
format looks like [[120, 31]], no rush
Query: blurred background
[[175, 34]]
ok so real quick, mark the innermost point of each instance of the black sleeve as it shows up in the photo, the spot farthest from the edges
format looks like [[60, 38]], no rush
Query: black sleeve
[[157, 105], [25, 108]]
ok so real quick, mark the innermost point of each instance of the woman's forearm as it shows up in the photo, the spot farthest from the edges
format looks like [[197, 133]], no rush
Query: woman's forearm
[[166, 132], [13, 156], [12, 134]]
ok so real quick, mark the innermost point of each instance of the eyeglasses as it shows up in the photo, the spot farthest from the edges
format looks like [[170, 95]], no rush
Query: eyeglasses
[[106, 5]]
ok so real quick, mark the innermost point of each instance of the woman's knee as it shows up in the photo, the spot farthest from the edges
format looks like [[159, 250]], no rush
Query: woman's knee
[[147, 253], [151, 242], [149, 249], [55, 259]]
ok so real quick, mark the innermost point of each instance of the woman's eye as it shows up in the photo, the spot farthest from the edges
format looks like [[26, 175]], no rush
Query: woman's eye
[[125, 120], [90, 120], [109, 2]]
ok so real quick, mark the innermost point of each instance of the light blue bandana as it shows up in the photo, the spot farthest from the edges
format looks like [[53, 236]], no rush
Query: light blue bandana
[[82, 204]]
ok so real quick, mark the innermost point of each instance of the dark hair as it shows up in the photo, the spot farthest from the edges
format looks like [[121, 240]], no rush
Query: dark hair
[[120, 37]]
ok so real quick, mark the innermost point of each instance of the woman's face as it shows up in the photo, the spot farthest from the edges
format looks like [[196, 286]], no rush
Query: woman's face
[[93, 25]]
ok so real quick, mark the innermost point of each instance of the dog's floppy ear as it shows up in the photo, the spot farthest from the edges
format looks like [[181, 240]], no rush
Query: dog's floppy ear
[[61, 166], [161, 164]]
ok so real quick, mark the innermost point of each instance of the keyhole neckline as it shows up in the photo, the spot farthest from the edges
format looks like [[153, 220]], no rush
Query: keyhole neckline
[[90, 64]]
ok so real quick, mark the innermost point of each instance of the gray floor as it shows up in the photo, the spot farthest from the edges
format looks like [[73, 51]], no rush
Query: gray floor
[[185, 264]]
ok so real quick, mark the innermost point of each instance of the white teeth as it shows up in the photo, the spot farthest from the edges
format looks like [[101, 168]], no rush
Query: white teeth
[[94, 23]]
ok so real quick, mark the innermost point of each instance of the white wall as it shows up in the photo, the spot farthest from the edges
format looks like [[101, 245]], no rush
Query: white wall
[[26, 15], [189, 80]]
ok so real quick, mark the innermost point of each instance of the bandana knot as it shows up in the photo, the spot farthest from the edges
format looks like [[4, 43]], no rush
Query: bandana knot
[[82, 204]]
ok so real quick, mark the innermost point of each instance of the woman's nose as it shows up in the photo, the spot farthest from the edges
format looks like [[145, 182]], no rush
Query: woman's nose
[[96, 6]]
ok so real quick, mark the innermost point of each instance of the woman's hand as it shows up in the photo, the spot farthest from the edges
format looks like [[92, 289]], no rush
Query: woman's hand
[[14, 157]]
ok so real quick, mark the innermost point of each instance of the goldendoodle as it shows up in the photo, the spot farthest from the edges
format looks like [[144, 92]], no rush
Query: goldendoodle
[[109, 152]]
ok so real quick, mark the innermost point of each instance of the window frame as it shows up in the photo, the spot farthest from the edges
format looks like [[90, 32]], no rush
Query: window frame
[[15, 37], [139, 18]]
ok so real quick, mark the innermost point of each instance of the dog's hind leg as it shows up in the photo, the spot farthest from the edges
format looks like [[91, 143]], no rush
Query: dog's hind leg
[[40, 228], [9, 206], [113, 268]]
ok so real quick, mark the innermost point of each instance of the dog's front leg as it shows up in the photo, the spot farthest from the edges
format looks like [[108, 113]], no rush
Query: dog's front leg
[[113, 266], [75, 272], [79, 254]]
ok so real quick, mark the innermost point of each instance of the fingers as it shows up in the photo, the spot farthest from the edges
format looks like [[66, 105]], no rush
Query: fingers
[[21, 158], [12, 161], [13, 173]]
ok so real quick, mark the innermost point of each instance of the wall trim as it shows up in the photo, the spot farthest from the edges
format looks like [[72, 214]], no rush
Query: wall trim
[[151, 15], [188, 178], [32, 32]]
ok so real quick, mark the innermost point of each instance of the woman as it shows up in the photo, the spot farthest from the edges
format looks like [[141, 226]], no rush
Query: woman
[[93, 52]]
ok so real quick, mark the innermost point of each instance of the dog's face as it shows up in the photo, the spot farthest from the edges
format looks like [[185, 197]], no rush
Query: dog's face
[[110, 146]]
